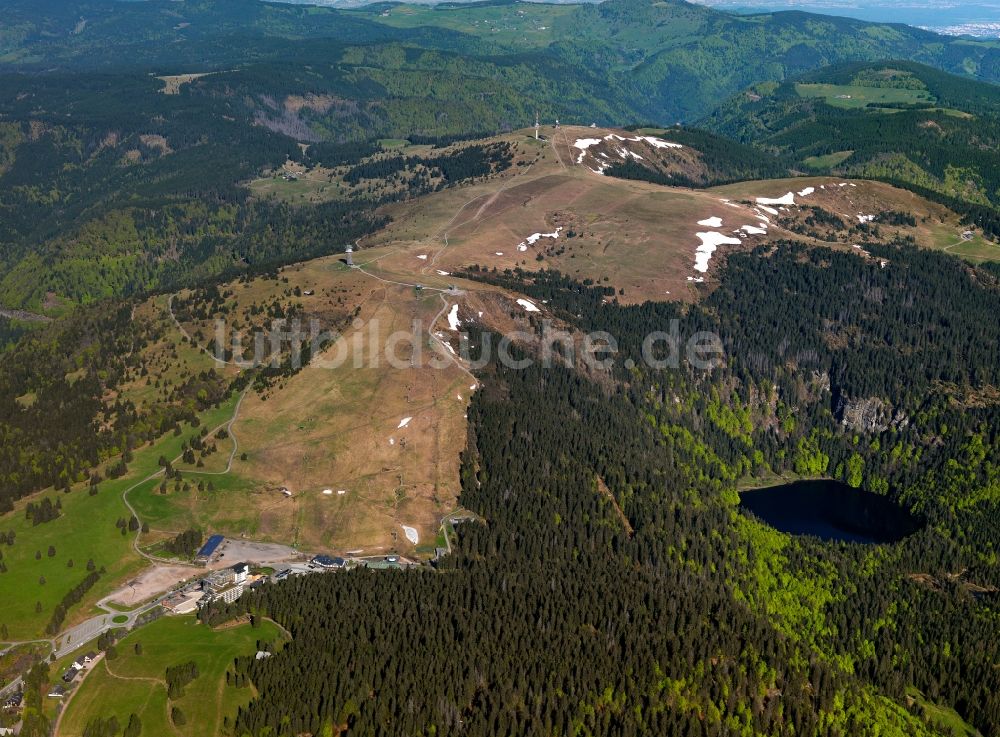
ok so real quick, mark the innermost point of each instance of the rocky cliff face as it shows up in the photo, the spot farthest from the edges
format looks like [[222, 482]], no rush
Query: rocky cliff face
[[870, 415]]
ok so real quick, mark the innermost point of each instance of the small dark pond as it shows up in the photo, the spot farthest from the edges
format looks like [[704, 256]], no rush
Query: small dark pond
[[830, 510]]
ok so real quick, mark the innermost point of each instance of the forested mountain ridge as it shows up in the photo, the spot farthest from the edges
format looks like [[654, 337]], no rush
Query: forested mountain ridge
[[674, 59], [900, 122], [77, 222], [108, 187]]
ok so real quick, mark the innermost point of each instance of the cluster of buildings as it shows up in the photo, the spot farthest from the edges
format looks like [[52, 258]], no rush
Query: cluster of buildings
[[326, 563], [225, 584], [13, 703], [77, 666], [12, 706], [75, 669], [228, 584]]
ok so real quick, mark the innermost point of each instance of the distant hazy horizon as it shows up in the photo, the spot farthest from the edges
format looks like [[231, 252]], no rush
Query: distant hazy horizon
[[954, 18], [957, 18]]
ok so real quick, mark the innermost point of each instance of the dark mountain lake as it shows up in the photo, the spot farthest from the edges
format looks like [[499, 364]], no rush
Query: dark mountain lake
[[830, 510]]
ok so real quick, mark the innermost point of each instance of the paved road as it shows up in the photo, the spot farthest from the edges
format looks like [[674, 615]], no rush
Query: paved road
[[11, 688], [76, 637], [79, 635]]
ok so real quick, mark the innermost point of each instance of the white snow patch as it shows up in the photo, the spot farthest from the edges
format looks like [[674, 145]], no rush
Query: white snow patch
[[788, 199], [651, 140], [534, 237], [341, 492], [767, 209], [453, 322], [531, 239], [710, 241], [444, 273], [713, 222], [404, 422], [807, 191], [583, 144], [392, 441], [659, 142], [696, 279], [328, 492], [499, 253], [411, 534], [865, 218], [753, 230], [422, 257], [528, 306]]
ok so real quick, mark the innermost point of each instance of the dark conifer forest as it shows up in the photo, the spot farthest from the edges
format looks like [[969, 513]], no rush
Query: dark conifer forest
[[176, 173], [660, 608]]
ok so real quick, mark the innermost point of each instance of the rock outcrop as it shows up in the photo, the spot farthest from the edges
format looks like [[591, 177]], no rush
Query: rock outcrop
[[870, 415]]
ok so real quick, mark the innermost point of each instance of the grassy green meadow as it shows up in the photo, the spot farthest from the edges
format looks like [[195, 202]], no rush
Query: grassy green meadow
[[828, 161], [135, 683], [857, 96], [85, 530], [943, 718]]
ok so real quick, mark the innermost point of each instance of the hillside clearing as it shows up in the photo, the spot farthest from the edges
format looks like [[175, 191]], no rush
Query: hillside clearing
[[135, 683]]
